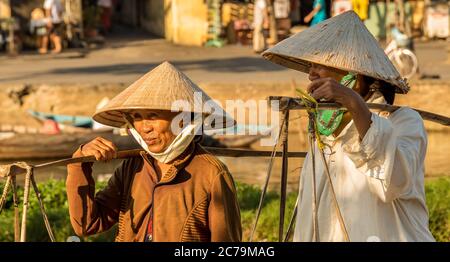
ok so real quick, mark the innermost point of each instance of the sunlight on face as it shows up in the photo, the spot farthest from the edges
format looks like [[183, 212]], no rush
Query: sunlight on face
[[317, 71], [154, 127]]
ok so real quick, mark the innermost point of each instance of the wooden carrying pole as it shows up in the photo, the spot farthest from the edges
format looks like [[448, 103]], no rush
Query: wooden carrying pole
[[14, 169], [296, 104]]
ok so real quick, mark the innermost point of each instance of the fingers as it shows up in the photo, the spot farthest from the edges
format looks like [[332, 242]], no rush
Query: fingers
[[325, 89], [98, 155], [104, 150], [109, 146], [108, 143], [109, 150], [320, 89], [323, 94], [318, 83], [318, 93], [101, 148], [331, 91]]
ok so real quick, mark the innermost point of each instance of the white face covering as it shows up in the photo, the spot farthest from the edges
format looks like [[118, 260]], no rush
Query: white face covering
[[178, 145]]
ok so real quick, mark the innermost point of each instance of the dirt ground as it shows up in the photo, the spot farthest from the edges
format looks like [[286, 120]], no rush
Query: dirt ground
[[124, 58]]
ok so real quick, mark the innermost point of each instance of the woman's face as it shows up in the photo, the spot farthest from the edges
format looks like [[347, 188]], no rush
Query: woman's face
[[317, 71], [154, 127]]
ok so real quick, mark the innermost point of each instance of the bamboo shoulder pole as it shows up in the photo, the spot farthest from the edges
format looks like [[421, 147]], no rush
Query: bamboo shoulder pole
[[21, 167], [296, 104]]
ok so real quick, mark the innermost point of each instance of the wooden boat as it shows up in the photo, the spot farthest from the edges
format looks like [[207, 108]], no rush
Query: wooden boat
[[238, 141], [39, 146], [78, 121]]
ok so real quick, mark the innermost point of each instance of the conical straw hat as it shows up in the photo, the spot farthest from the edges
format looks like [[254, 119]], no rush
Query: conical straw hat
[[341, 42], [158, 90]]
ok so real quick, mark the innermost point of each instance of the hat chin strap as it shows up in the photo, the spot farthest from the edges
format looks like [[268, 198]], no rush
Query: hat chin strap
[[178, 145]]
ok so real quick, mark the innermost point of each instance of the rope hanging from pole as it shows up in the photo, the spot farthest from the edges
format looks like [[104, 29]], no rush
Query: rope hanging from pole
[[311, 107], [41, 206], [26, 195], [20, 229], [266, 184], [5, 193], [16, 210]]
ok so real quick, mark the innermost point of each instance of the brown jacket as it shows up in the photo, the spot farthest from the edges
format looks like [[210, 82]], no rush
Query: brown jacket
[[194, 201]]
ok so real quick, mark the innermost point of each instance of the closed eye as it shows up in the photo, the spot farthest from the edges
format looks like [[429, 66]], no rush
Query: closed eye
[[151, 116]]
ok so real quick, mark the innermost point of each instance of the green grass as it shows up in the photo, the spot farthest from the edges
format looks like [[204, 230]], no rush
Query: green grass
[[55, 201], [267, 228], [438, 201]]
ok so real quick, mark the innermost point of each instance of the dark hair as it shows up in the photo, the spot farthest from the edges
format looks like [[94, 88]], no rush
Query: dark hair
[[388, 90]]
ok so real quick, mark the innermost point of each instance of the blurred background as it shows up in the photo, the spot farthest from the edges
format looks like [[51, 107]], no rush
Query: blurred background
[[61, 60]]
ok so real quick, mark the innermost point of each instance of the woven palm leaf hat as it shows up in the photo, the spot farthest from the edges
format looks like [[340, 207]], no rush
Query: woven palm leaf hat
[[341, 42], [159, 89]]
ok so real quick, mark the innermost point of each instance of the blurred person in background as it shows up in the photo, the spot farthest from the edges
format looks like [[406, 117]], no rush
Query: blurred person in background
[[38, 27], [260, 23], [54, 11], [318, 14], [361, 8], [106, 7]]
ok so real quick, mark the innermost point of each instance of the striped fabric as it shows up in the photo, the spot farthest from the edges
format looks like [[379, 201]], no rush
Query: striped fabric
[[196, 227]]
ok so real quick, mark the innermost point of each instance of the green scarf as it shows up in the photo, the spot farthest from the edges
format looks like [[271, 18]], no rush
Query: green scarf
[[329, 120]]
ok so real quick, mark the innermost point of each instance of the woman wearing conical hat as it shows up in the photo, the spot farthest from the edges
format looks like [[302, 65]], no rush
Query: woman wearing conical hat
[[176, 191], [376, 160]]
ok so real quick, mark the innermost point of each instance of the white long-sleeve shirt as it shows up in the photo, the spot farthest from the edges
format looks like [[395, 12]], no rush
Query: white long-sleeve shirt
[[379, 183], [258, 12]]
